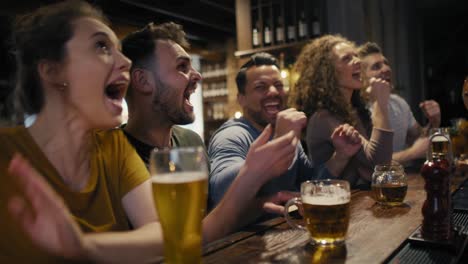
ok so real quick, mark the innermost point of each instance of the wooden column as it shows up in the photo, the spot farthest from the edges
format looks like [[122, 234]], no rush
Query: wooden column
[[243, 25]]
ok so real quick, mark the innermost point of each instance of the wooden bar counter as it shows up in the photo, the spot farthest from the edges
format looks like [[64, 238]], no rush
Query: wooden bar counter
[[374, 234]]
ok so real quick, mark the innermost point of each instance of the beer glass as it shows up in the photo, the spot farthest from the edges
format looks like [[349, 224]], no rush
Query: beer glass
[[389, 184], [326, 210], [180, 185], [335, 253], [441, 145]]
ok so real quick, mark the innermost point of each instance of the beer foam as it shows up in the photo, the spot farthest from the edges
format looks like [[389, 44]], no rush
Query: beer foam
[[179, 177], [439, 139], [326, 200]]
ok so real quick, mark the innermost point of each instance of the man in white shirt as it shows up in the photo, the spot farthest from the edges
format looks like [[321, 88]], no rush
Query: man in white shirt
[[410, 140]]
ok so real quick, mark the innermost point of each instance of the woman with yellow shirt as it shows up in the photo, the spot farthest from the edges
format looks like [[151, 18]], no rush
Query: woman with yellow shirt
[[72, 187]]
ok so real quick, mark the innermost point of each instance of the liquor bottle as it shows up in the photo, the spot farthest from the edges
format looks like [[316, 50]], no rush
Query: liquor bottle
[[279, 31], [291, 32], [316, 24], [302, 26], [267, 33], [290, 20], [437, 209], [255, 35]]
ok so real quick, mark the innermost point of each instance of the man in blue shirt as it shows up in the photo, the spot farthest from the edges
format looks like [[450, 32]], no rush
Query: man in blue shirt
[[262, 97]]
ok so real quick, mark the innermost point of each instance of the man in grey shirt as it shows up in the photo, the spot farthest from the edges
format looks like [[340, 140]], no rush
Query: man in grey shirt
[[410, 140]]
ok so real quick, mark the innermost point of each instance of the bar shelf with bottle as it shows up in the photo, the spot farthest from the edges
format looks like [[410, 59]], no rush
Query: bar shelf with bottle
[[277, 25], [214, 87], [272, 49], [214, 84], [214, 92]]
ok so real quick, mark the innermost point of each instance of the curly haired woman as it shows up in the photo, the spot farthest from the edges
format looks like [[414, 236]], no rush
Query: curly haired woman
[[328, 91]]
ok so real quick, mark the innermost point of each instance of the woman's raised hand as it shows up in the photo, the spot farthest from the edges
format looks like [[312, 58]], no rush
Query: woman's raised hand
[[42, 213]]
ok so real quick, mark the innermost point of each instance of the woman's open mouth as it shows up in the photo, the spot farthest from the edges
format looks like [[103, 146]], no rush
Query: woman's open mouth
[[356, 76], [115, 92]]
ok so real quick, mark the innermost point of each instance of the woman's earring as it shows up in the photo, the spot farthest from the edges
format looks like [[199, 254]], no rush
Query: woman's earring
[[63, 86]]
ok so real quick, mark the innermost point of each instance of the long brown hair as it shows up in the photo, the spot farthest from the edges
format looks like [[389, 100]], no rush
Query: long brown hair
[[317, 86]]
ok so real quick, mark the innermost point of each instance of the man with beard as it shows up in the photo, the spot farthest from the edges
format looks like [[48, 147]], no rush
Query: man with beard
[[407, 131], [262, 97], [162, 80]]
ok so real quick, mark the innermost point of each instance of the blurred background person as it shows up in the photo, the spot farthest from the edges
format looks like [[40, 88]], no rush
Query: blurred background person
[[410, 140]]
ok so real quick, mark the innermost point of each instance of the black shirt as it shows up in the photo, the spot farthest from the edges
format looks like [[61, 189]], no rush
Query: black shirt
[[181, 137]]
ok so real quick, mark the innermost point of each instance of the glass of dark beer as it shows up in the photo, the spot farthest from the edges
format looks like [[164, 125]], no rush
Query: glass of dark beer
[[325, 204], [389, 184]]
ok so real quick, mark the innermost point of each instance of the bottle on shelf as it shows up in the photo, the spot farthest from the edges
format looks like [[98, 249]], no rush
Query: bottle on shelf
[[218, 111], [217, 70], [205, 89], [290, 21], [212, 89], [255, 35], [316, 31], [267, 33], [224, 89], [291, 32], [278, 20], [267, 36], [209, 112], [256, 29], [209, 71], [279, 31], [215, 111], [302, 26]]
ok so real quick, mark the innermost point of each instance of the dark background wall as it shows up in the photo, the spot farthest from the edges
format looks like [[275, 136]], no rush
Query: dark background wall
[[426, 42]]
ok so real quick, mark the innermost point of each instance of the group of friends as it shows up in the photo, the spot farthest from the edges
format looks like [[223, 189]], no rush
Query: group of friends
[[75, 184]]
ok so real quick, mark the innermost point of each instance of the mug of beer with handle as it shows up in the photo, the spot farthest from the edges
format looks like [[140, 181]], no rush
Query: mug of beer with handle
[[326, 208]]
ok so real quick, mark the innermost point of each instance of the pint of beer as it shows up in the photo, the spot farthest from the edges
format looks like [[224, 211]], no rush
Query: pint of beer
[[326, 210], [440, 145], [180, 186]]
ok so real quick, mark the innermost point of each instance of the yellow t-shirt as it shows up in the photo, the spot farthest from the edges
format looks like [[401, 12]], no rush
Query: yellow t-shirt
[[115, 170]]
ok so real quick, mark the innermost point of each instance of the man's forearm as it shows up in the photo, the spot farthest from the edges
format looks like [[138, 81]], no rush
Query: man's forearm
[[403, 156], [417, 150], [415, 132], [237, 208]]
